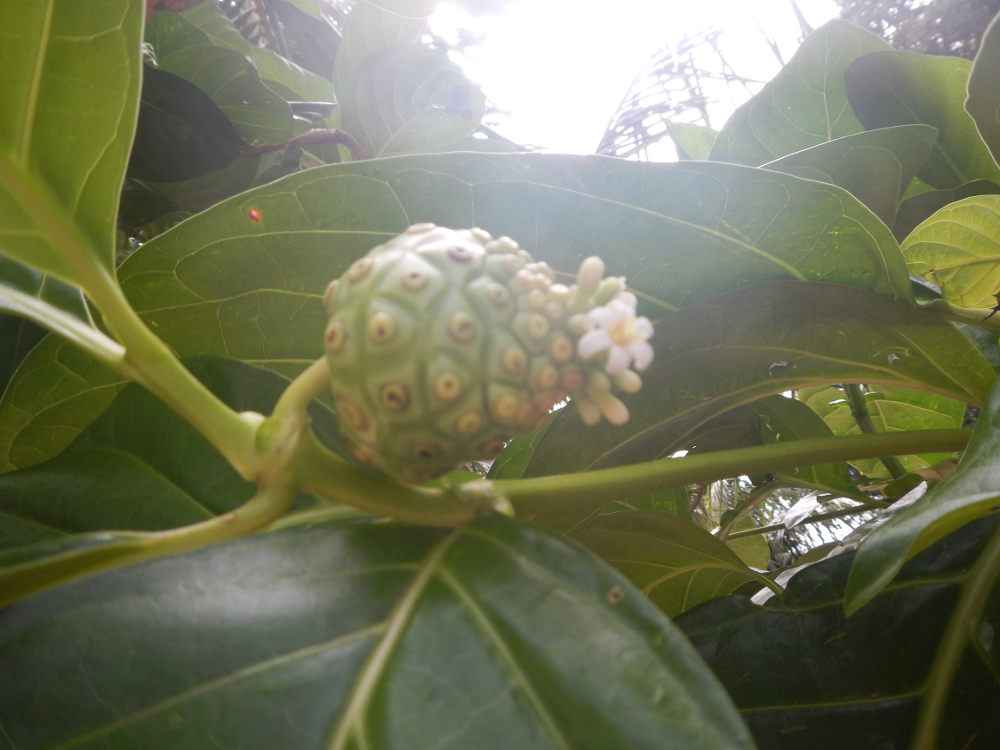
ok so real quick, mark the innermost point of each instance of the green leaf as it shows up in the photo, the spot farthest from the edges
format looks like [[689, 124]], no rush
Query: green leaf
[[890, 409], [804, 105], [719, 353], [350, 633], [221, 283], [788, 419], [410, 98], [310, 39], [206, 23], [875, 167], [983, 103], [958, 248], [920, 206], [228, 77], [372, 26], [65, 135], [121, 474], [17, 337], [804, 675], [515, 456], [900, 88], [181, 133], [966, 494], [672, 561], [692, 141]]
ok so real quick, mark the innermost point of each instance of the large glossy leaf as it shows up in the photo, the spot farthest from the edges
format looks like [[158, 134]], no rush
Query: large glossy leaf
[[967, 493], [900, 88], [889, 408], [410, 99], [672, 561], [289, 80], [372, 26], [692, 141], [181, 134], [804, 675], [17, 337], [65, 135], [804, 105], [310, 39], [225, 74], [958, 248], [497, 635], [875, 167], [727, 351], [983, 102], [921, 206], [221, 283]]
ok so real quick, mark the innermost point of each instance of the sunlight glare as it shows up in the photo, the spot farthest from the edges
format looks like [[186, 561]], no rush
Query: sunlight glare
[[559, 68]]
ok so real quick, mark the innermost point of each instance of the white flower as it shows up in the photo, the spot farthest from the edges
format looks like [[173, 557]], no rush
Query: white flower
[[614, 328]]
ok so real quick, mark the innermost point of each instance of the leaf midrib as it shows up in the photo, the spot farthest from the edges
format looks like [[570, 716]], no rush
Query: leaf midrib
[[395, 626]]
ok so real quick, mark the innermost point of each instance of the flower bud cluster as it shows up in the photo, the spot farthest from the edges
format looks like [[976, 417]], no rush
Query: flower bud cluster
[[443, 344]]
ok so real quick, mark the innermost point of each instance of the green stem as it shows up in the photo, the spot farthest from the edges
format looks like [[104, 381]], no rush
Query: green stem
[[960, 630], [314, 468], [859, 410], [146, 359], [971, 316], [127, 548], [539, 496], [323, 472], [754, 499]]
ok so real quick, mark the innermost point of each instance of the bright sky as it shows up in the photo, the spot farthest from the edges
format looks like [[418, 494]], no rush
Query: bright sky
[[561, 67]]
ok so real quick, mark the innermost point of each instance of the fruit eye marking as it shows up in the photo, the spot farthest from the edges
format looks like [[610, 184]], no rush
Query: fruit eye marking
[[336, 337], [447, 386], [382, 328], [461, 327], [394, 395]]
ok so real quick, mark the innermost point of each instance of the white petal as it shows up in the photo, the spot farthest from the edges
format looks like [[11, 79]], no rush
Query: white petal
[[601, 316], [593, 342], [642, 353], [643, 327], [618, 360], [627, 298]]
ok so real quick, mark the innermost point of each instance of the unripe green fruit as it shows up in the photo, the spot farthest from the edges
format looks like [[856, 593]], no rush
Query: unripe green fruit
[[443, 344]]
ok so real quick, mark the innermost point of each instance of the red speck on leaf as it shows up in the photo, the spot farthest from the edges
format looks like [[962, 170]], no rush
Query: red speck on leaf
[[254, 214]]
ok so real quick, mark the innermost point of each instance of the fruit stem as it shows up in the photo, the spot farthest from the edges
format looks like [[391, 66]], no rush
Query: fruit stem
[[146, 359], [314, 468], [580, 493], [126, 548]]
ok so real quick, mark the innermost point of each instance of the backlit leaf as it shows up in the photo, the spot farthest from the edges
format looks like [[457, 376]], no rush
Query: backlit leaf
[[672, 561], [720, 353], [804, 105], [222, 283], [967, 493], [65, 134], [900, 88], [958, 248], [983, 103], [875, 166]]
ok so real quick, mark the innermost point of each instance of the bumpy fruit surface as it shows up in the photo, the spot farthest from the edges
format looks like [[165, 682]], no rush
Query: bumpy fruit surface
[[443, 344]]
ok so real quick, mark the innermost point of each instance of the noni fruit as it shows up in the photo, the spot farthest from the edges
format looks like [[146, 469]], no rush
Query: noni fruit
[[443, 344]]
